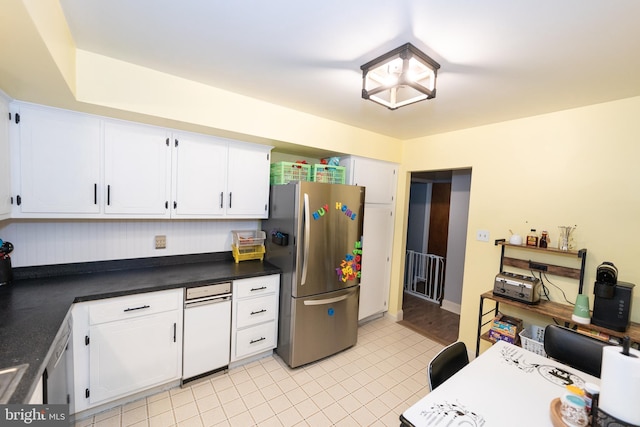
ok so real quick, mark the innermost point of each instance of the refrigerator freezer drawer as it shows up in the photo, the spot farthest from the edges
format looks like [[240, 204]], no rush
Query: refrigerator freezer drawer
[[324, 325]]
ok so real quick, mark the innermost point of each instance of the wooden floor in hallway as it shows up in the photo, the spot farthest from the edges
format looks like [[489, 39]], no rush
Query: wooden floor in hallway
[[429, 320]]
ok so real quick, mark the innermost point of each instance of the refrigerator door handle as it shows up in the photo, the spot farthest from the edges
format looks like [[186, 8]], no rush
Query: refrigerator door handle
[[327, 301], [307, 226]]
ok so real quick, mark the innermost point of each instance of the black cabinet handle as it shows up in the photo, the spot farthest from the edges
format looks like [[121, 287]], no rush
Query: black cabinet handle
[[95, 194], [221, 198], [258, 312], [137, 308], [174, 332], [258, 289], [108, 195], [230, 199], [258, 340]]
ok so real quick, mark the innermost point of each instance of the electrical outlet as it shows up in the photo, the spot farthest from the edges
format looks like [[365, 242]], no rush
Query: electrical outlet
[[482, 235], [161, 242]]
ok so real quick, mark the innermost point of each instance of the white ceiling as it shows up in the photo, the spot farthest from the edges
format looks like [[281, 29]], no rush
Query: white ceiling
[[500, 59]]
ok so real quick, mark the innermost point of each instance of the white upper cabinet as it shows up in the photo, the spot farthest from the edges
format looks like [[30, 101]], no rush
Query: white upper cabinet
[[200, 176], [73, 165], [215, 177], [137, 170], [247, 188], [377, 176], [60, 162], [5, 174]]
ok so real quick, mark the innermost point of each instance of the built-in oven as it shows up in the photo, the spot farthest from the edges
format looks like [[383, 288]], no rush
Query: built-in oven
[[207, 330]]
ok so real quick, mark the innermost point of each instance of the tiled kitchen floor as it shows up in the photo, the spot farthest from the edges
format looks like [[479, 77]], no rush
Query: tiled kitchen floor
[[370, 384]]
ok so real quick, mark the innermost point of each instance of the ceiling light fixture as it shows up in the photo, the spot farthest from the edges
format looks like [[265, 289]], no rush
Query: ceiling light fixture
[[400, 77]]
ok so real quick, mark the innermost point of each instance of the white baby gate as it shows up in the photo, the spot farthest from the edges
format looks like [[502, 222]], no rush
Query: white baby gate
[[424, 276]]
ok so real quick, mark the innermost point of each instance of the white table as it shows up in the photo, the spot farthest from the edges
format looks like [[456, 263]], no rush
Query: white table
[[505, 386]]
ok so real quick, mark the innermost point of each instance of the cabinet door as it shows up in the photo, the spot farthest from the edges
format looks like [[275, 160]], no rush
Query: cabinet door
[[60, 163], [376, 260], [200, 176], [377, 176], [128, 356], [137, 170], [248, 182], [5, 181]]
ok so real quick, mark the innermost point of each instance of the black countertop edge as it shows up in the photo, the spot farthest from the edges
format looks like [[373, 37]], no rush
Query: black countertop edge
[[42, 271]]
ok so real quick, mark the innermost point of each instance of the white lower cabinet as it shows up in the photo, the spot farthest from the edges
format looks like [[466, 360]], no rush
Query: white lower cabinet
[[125, 345], [254, 325]]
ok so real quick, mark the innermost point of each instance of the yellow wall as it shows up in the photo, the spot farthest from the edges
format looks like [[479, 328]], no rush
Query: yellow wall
[[575, 167]]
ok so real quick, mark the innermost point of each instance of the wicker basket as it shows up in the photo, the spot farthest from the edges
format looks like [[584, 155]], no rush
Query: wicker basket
[[532, 339]]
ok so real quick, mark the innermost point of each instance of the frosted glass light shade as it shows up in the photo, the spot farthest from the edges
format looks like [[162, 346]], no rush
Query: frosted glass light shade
[[400, 77]]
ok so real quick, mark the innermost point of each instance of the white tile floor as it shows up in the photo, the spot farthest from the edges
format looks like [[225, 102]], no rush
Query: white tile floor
[[370, 384]]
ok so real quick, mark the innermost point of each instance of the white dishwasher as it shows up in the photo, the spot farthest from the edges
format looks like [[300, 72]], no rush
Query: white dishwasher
[[207, 330]]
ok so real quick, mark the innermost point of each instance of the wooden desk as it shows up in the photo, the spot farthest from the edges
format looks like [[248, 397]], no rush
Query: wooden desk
[[505, 386], [557, 311]]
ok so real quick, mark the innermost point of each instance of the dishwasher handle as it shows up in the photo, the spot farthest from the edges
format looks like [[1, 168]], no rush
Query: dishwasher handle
[[206, 301]]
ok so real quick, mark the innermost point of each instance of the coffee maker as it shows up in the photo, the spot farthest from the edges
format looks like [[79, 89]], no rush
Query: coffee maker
[[612, 303]]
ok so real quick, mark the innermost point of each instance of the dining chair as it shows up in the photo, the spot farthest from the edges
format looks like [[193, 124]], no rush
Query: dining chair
[[447, 362], [574, 349]]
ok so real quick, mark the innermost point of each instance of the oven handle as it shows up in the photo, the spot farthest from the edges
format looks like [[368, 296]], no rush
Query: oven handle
[[206, 301]]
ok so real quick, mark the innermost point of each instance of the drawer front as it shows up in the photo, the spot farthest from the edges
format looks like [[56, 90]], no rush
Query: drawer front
[[133, 306], [255, 310], [255, 339], [256, 286]]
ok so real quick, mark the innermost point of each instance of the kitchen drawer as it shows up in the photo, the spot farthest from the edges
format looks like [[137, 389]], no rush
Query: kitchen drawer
[[128, 307], [255, 286], [255, 310], [255, 339]]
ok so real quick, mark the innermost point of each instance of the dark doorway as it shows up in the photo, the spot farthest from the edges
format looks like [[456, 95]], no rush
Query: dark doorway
[[437, 227]]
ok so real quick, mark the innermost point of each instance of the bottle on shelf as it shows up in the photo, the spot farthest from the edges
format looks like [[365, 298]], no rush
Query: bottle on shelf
[[544, 240], [532, 238]]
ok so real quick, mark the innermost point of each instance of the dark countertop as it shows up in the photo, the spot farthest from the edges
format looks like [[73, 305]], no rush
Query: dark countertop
[[35, 305]]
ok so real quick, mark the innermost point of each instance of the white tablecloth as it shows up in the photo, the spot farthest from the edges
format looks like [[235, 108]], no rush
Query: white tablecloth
[[505, 386]]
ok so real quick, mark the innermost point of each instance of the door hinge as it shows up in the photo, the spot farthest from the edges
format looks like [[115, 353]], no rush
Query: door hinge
[[167, 142], [86, 340], [86, 393], [17, 118]]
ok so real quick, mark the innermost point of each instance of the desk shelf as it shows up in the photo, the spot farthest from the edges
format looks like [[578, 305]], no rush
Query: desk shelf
[[556, 270], [560, 312]]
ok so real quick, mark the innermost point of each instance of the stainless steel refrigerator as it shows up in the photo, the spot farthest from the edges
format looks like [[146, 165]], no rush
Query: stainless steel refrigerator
[[314, 234]]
